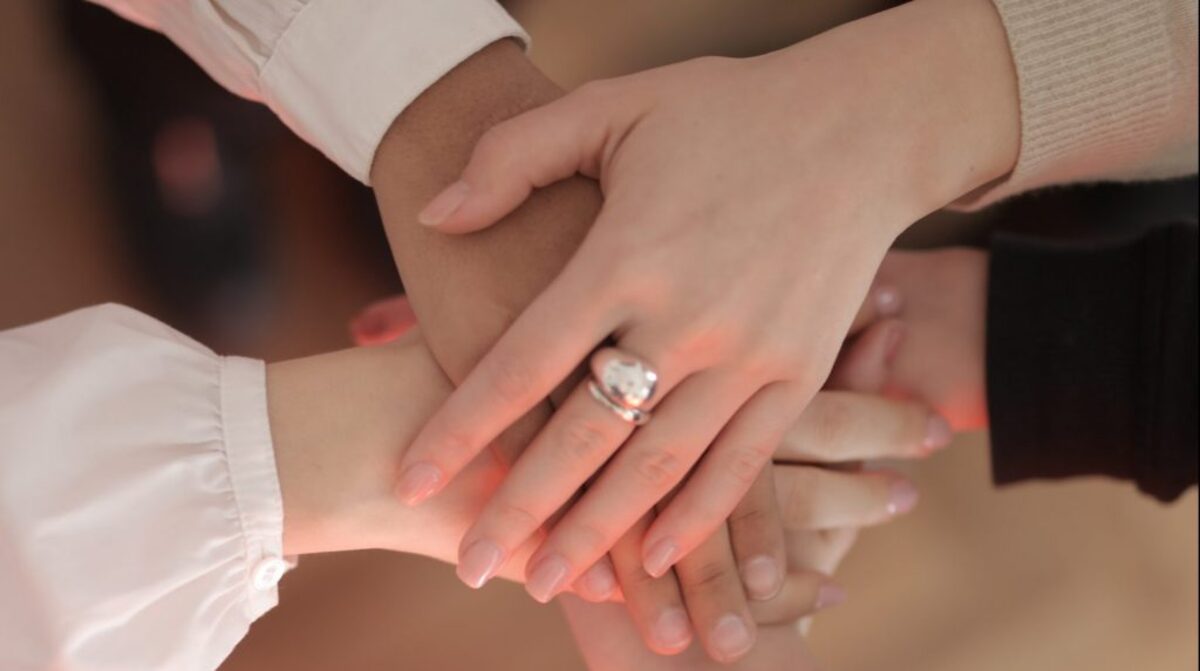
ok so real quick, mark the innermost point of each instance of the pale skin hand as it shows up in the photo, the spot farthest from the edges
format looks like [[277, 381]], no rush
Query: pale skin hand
[[747, 207], [337, 418], [467, 290]]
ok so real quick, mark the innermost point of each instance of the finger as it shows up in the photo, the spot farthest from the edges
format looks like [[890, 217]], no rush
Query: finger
[[840, 426], [865, 364], [724, 475], [655, 604], [882, 302], [573, 445], [530, 359], [514, 157], [569, 450], [802, 594], [820, 550], [715, 600], [643, 472], [819, 498], [382, 321], [756, 530], [598, 584]]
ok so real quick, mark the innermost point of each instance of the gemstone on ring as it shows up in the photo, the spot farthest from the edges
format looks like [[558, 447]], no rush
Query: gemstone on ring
[[625, 380]]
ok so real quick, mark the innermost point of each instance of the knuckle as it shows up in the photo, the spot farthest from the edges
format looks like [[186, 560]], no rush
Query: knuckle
[[495, 142], [456, 442], [797, 500], [746, 463], [592, 541], [708, 576], [585, 441], [752, 518], [516, 517], [511, 381], [659, 469], [832, 420]]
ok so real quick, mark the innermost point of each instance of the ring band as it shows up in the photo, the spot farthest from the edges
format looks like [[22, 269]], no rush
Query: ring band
[[631, 415]]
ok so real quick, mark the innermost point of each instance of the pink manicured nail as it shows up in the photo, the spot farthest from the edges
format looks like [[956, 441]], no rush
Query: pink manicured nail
[[888, 301], [829, 595], [600, 581], [731, 637], [762, 577], [903, 497], [418, 482], [938, 433], [547, 578], [661, 558], [892, 340], [479, 563], [444, 204], [672, 629]]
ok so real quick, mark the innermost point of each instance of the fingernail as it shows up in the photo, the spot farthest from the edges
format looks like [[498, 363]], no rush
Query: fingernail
[[661, 558], [547, 578], [479, 563], [903, 497], [829, 595], [600, 581], [892, 340], [938, 433], [444, 204], [672, 630], [731, 637], [762, 577], [418, 482], [888, 301]]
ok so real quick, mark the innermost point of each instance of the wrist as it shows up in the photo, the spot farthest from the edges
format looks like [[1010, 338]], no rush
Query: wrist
[[964, 99], [339, 421], [928, 92]]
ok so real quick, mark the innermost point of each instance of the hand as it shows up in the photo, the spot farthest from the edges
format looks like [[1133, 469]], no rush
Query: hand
[[822, 510], [838, 427], [748, 204], [944, 307]]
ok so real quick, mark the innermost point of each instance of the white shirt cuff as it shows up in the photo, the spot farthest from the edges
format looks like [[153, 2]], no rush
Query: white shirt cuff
[[345, 69]]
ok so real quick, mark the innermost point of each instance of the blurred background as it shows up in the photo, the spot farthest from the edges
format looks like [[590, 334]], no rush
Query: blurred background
[[127, 175]]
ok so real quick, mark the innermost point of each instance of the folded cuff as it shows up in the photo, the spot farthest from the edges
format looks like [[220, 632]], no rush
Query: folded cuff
[[251, 460], [345, 69]]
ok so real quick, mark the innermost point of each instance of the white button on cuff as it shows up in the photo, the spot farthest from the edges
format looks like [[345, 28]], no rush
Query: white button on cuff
[[267, 573]]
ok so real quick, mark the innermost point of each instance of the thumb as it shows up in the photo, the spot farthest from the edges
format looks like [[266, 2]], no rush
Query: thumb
[[382, 321], [882, 301], [865, 364], [528, 151]]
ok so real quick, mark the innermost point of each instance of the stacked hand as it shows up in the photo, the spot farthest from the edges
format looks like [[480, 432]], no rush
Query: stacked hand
[[819, 509]]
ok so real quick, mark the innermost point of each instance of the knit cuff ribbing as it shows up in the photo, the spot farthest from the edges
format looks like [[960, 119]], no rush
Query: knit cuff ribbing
[[1103, 89]]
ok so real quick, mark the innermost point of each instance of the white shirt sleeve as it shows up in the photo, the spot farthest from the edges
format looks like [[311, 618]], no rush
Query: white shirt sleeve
[[141, 521], [337, 72]]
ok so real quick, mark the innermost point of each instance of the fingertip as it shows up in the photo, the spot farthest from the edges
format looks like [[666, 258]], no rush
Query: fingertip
[[660, 557], [444, 205], [418, 482], [829, 595], [938, 433], [902, 497]]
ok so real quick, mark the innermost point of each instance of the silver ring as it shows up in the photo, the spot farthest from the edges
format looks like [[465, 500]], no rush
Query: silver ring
[[623, 378], [631, 415]]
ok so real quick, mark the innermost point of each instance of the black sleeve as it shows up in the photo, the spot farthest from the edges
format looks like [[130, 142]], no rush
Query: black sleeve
[[1091, 359]]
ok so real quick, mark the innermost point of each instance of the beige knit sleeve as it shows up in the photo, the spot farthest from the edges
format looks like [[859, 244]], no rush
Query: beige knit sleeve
[[1107, 92]]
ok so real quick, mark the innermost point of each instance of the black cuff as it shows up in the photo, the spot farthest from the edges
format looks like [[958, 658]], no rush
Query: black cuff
[[1088, 369]]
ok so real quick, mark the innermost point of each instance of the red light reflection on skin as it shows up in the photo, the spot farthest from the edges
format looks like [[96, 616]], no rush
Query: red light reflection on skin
[[188, 167]]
